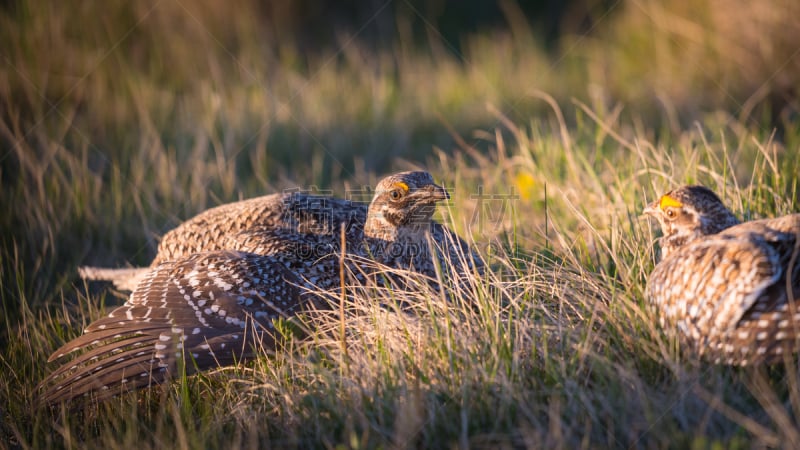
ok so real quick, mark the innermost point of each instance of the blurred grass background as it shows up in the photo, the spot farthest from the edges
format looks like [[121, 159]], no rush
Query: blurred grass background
[[118, 120]]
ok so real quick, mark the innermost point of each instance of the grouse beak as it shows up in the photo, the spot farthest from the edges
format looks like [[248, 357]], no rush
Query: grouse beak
[[437, 192], [430, 194], [651, 210]]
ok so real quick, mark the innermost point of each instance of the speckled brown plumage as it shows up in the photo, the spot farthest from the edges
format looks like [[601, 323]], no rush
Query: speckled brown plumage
[[221, 279], [729, 288]]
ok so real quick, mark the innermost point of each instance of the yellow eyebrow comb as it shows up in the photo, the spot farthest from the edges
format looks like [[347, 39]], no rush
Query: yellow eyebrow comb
[[667, 201], [402, 185]]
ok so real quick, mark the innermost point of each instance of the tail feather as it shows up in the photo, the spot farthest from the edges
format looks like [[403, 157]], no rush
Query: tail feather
[[104, 336], [123, 279], [131, 369]]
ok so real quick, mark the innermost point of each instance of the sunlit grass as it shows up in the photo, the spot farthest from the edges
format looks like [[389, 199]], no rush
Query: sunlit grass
[[547, 347], [109, 140]]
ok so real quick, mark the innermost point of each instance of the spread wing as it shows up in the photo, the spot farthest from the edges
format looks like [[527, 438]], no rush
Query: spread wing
[[208, 230], [206, 310], [221, 228]]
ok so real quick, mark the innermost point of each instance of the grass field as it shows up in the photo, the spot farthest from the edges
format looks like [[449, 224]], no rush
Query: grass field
[[118, 122]]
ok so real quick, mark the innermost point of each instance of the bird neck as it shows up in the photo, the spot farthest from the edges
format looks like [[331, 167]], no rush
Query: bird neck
[[677, 238], [388, 243], [669, 244]]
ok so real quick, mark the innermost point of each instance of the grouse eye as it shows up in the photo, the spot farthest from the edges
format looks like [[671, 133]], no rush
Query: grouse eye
[[395, 194], [671, 213]]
